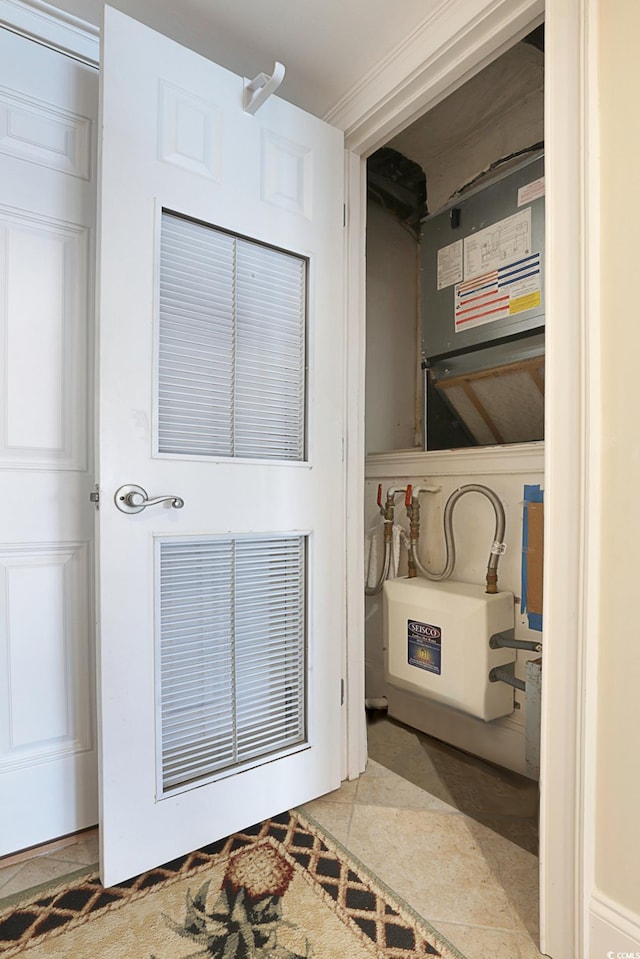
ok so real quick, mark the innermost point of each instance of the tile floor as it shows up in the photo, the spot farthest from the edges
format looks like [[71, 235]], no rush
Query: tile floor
[[458, 845], [504, 801], [453, 836], [52, 861]]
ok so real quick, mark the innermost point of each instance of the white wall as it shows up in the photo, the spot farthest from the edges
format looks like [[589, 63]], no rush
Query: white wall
[[392, 372], [617, 852]]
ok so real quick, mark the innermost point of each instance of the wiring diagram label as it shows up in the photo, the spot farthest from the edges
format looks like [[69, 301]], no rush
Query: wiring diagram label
[[424, 646], [498, 245]]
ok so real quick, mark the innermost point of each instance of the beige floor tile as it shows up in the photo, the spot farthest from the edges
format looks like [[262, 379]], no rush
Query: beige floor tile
[[523, 832], [432, 860], [382, 730], [34, 872], [400, 751], [523, 894], [375, 770], [478, 943], [480, 789], [528, 947], [507, 856], [394, 791], [85, 852], [7, 873], [517, 871], [332, 816], [412, 767], [505, 802], [345, 794]]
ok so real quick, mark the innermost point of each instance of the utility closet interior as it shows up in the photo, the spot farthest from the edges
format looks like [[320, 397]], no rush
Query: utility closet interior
[[455, 398]]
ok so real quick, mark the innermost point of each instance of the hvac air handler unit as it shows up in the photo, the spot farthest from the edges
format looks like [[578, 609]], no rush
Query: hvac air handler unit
[[483, 311]]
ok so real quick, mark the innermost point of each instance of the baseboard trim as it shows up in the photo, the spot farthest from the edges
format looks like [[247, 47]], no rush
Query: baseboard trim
[[615, 930], [501, 742]]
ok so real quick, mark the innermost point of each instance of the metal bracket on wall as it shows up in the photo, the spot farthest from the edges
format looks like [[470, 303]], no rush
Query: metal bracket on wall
[[532, 716]]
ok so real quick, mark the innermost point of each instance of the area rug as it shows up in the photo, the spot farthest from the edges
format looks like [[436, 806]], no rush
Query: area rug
[[280, 890]]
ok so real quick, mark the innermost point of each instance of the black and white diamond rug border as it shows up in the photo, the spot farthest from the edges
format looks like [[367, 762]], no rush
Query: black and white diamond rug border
[[243, 916]]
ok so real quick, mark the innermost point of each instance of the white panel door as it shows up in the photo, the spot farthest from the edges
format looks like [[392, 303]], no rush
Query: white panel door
[[48, 768], [221, 622]]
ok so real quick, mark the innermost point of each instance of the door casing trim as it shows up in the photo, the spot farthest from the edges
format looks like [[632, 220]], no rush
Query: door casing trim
[[52, 27]]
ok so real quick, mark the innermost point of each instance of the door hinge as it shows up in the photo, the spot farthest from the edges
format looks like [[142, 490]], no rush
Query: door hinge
[[342, 692], [94, 497]]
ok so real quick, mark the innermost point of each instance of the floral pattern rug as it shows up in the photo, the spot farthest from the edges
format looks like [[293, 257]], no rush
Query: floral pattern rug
[[282, 889]]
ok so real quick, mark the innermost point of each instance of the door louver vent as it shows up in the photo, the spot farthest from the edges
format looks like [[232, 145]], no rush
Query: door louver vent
[[232, 654], [231, 365]]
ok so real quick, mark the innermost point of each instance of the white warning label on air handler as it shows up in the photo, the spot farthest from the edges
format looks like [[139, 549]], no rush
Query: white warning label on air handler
[[450, 264], [531, 191]]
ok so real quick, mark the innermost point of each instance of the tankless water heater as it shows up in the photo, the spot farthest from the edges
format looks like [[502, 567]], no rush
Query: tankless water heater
[[436, 638]]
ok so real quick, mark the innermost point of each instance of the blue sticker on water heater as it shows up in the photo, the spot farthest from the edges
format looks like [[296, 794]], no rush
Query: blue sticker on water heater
[[424, 646]]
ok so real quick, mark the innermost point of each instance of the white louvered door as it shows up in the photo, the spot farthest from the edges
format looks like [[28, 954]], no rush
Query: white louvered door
[[221, 339]]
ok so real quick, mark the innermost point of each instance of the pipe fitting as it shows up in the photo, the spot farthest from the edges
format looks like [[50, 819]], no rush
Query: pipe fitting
[[500, 641], [492, 581], [502, 674], [388, 512]]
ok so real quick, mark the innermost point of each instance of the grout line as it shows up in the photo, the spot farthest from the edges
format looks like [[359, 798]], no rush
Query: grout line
[[469, 925], [357, 790], [349, 821], [71, 863], [10, 878]]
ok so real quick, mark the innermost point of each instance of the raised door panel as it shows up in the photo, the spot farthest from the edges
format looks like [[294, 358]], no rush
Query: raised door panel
[[43, 342], [46, 663], [41, 132]]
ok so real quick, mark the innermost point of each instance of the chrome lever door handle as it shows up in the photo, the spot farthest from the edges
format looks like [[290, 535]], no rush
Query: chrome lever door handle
[[133, 499]]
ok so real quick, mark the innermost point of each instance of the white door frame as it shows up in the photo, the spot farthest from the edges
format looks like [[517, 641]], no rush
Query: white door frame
[[55, 28], [458, 40], [455, 43]]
